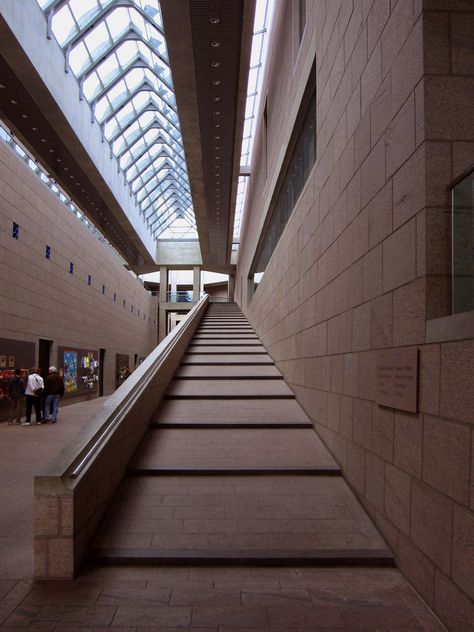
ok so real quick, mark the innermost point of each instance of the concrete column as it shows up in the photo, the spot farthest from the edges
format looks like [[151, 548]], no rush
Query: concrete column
[[163, 283], [231, 289], [162, 302], [196, 283], [172, 276]]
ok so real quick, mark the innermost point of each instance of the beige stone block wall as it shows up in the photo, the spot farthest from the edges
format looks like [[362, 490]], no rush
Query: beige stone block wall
[[364, 264], [39, 298]]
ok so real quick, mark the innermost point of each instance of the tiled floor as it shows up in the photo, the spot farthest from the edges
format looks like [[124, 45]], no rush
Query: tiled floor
[[234, 512]]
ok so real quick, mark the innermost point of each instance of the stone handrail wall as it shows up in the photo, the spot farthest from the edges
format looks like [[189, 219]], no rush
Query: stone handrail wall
[[72, 497]]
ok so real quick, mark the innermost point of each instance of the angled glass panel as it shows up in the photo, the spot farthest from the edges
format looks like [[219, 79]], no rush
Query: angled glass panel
[[117, 50]]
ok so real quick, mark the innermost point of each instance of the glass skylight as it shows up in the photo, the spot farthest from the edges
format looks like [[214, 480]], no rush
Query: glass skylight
[[263, 15], [117, 52]]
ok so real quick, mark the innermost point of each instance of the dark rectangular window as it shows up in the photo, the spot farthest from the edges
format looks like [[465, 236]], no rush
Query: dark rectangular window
[[71, 268], [89, 280], [15, 231], [463, 245], [124, 302], [301, 157], [115, 297], [47, 252], [103, 289]]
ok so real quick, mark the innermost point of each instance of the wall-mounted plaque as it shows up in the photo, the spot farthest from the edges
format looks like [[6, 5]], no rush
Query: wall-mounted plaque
[[397, 379]]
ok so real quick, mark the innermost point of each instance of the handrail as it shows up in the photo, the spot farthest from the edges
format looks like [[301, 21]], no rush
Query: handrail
[[142, 375]]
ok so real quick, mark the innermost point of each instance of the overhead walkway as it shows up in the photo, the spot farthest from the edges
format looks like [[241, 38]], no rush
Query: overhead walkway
[[232, 472]]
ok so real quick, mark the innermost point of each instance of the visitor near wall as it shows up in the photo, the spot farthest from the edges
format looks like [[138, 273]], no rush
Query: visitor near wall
[[33, 393], [54, 390], [16, 393]]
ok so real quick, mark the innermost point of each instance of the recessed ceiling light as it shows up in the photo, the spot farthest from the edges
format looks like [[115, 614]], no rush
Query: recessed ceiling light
[[216, 99], [51, 151], [35, 129], [215, 44], [216, 112], [58, 160], [215, 64], [216, 82], [13, 101], [66, 168], [216, 148], [2, 86], [24, 116], [217, 124], [215, 20], [71, 176], [216, 137], [44, 140]]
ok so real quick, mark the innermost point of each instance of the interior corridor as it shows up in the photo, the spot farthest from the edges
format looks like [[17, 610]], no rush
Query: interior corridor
[[233, 515]]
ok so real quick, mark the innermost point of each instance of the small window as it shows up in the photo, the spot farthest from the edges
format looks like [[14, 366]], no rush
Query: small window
[[71, 267], [89, 279], [124, 302], [47, 252], [15, 231], [132, 309], [301, 157], [138, 313], [103, 289], [115, 297], [463, 245]]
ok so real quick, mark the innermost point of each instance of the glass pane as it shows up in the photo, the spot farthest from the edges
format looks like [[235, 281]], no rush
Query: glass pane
[[463, 245], [123, 62]]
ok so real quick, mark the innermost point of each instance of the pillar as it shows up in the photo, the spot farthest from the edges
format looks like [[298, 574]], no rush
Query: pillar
[[231, 288], [162, 303], [196, 283]]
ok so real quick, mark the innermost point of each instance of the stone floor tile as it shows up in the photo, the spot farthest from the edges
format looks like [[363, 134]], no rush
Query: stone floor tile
[[154, 594], [62, 594], [152, 616], [229, 617], [304, 616], [22, 616], [199, 596], [71, 616], [6, 585], [17, 593], [278, 597], [177, 629], [380, 618]]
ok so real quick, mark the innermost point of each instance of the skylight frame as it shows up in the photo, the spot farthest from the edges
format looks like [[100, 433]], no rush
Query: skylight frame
[[110, 81]]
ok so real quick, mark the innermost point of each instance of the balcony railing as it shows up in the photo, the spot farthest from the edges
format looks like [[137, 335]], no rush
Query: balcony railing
[[181, 296]]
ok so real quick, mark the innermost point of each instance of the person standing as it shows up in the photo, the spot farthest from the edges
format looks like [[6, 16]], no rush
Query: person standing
[[33, 392], [54, 390], [16, 393]]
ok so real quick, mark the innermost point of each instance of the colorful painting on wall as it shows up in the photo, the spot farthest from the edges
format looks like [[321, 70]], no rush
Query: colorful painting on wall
[[70, 371]]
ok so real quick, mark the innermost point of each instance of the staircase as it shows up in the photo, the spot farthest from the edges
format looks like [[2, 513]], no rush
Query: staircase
[[232, 472]]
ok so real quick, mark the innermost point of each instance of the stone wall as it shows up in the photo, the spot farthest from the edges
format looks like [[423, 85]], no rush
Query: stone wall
[[40, 298], [364, 265]]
